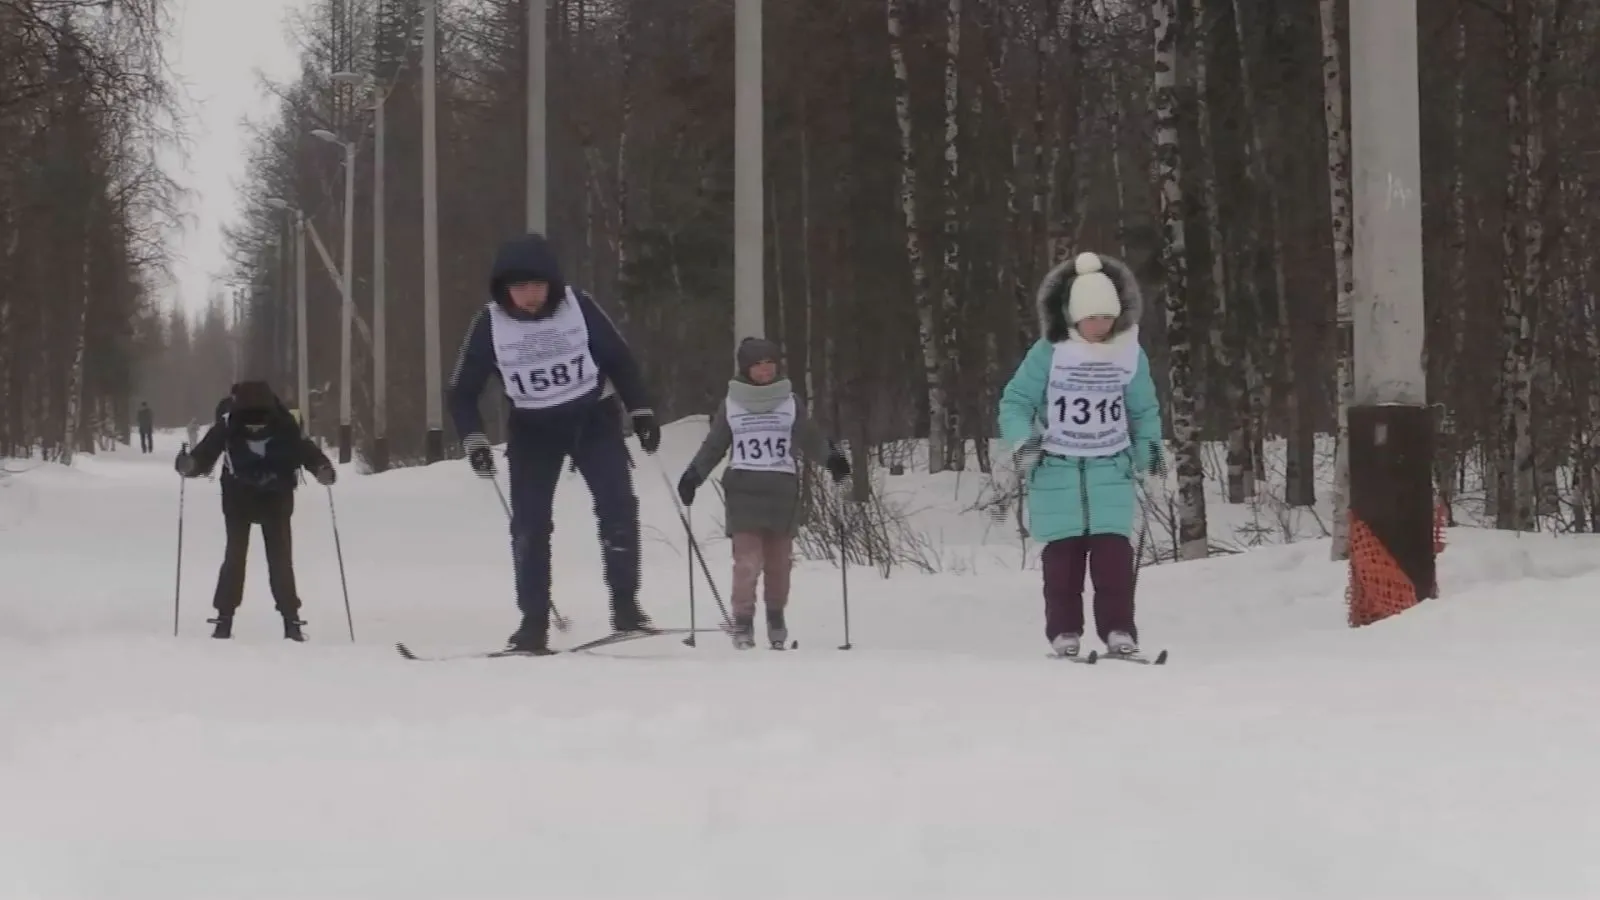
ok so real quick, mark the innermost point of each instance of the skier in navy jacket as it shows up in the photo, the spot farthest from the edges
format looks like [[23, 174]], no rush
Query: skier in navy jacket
[[562, 364]]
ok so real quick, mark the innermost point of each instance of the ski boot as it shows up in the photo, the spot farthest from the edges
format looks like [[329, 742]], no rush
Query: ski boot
[[1120, 643], [1066, 644], [628, 618], [291, 627], [224, 623], [532, 637], [777, 630], [743, 632]]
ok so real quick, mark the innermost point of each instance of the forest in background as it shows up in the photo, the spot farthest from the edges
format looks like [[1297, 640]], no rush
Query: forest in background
[[926, 161]]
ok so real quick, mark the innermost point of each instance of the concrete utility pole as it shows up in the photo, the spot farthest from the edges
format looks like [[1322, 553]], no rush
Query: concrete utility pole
[[380, 300], [346, 288], [1391, 429], [238, 333], [432, 374], [538, 148], [749, 227], [302, 354], [380, 454]]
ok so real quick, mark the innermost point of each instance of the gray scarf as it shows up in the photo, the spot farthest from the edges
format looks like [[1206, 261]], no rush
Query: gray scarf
[[759, 398]]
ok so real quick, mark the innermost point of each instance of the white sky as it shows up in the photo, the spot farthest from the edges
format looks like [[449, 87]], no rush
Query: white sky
[[218, 50]]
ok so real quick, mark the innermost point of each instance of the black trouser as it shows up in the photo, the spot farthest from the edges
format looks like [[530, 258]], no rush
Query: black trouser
[[147, 441], [243, 507], [597, 448]]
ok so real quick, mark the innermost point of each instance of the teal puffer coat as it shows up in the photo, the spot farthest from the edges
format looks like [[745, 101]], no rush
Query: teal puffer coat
[[1069, 497]]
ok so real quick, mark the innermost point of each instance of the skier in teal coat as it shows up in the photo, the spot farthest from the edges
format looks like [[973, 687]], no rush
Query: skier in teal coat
[[1084, 425]]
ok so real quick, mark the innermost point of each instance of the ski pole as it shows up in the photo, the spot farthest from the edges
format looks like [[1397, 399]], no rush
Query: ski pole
[[844, 574], [339, 551], [177, 581], [563, 624], [694, 545], [1158, 467], [689, 558]]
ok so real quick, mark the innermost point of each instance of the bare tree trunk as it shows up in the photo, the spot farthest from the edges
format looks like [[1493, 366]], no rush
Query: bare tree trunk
[[1449, 449], [949, 344], [1343, 261], [1514, 500], [72, 437], [1300, 481], [1223, 325], [1192, 539], [927, 326], [624, 133]]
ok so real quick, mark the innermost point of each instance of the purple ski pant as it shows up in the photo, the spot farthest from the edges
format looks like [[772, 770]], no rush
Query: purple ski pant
[[1108, 559]]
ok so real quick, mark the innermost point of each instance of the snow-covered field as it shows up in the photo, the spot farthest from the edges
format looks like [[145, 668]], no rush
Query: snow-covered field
[[1449, 753]]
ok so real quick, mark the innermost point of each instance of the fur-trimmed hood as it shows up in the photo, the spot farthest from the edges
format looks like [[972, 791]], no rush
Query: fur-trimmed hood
[[1056, 288]]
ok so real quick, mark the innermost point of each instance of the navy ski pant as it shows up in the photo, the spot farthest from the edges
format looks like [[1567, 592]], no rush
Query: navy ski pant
[[602, 458]]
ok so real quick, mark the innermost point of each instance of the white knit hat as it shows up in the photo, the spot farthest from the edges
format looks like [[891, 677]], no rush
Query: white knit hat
[[1092, 293]]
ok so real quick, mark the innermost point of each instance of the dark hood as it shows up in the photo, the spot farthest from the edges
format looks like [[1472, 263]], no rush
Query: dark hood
[[525, 258], [254, 401]]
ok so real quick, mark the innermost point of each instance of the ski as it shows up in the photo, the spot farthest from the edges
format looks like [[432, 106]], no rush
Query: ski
[[1139, 658], [1086, 659], [617, 637]]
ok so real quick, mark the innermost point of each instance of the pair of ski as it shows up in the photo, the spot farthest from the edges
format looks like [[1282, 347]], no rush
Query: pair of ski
[[1094, 656], [616, 637]]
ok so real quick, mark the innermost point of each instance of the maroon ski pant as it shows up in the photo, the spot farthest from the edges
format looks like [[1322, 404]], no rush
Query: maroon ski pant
[[1108, 559]]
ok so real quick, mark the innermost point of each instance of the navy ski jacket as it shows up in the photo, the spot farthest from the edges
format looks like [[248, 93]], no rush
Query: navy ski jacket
[[529, 258]]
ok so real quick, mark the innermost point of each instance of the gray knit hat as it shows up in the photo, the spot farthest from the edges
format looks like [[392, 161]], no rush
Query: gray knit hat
[[755, 350]]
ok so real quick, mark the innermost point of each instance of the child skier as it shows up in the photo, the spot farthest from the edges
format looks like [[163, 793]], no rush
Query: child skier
[[262, 451], [561, 363], [1087, 382], [762, 425]]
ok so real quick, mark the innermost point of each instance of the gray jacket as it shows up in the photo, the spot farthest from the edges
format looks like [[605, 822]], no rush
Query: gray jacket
[[760, 501]]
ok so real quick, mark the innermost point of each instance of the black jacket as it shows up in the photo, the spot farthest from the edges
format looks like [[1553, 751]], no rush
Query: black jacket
[[476, 364], [266, 461]]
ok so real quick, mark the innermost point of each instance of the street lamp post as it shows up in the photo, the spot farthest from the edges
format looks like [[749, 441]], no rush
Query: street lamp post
[[749, 257], [433, 379], [347, 310], [302, 356], [537, 202], [1391, 429], [380, 316]]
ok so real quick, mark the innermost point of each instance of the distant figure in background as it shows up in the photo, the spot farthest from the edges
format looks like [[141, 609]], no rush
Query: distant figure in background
[[262, 451], [147, 425]]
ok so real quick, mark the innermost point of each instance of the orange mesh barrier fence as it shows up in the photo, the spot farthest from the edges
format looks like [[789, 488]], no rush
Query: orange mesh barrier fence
[[1378, 587]]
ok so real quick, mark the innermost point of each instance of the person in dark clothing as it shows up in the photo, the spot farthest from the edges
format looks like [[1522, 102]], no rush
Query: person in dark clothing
[[262, 451], [562, 363], [147, 425]]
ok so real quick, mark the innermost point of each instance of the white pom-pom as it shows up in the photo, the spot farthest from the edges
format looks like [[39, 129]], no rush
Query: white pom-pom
[[1087, 263]]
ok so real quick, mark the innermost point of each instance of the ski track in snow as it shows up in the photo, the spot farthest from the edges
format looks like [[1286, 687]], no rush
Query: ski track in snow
[[1449, 753]]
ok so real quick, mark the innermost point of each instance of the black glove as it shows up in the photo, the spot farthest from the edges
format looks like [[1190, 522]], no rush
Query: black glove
[[325, 475], [838, 466], [184, 464], [649, 433], [687, 485], [479, 455]]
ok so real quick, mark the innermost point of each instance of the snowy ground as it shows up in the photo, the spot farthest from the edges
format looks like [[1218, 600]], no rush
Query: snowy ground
[[1280, 755]]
